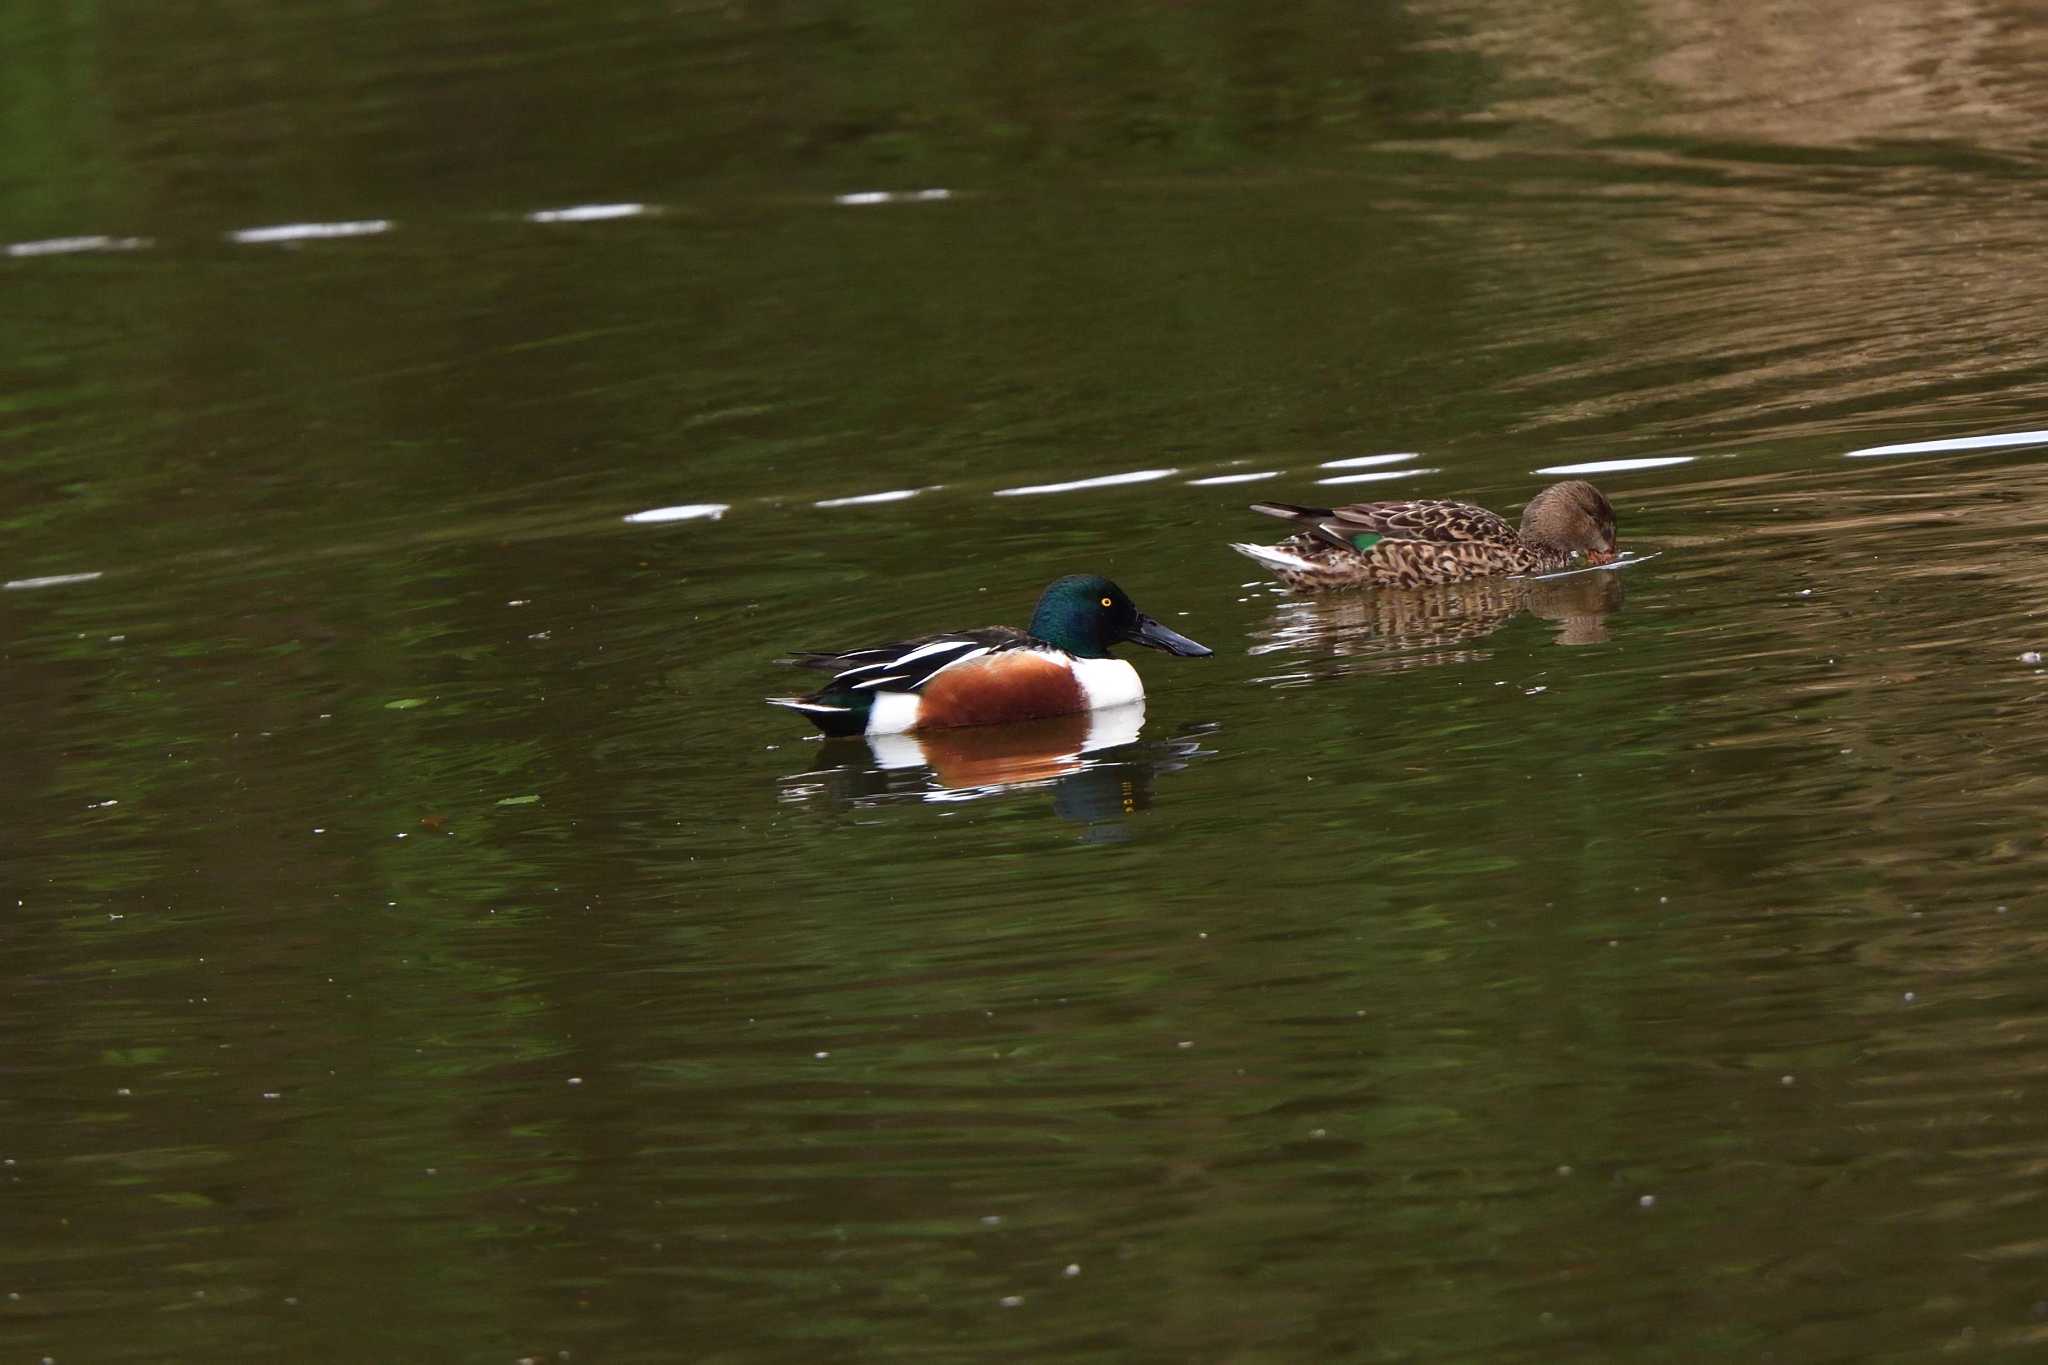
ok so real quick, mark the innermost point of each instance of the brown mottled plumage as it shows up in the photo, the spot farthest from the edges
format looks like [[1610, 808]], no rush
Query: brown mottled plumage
[[1431, 540]]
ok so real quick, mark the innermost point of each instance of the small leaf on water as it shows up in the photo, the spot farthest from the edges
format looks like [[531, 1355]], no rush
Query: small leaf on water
[[405, 703], [436, 823], [520, 800]]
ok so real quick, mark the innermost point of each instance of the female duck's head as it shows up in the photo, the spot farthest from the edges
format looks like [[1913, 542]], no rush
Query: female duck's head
[[1085, 614], [1571, 516]]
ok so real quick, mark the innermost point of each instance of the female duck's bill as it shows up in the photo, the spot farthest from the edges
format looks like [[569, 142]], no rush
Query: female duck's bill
[[996, 675]]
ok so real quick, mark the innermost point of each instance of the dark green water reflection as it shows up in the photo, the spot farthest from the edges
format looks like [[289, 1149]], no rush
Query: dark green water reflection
[[422, 944]]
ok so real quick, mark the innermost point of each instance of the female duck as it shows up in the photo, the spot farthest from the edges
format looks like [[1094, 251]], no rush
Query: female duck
[[1407, 544], [994, 675]]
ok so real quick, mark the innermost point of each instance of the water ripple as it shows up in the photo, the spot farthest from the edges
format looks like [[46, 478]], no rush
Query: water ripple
[[1101, 481], [587, 213], [305, 232], [1380, 476], [1362, 461], [60, 246], [1617, 466], [689, 511], [2012, 438], [1218, 480], [870, 499]]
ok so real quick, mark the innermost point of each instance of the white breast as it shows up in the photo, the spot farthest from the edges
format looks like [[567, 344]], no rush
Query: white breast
[[1108, 682]]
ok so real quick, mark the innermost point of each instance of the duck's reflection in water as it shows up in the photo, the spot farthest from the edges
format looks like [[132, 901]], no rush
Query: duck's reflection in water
[[1389, 629], [1094, 763]]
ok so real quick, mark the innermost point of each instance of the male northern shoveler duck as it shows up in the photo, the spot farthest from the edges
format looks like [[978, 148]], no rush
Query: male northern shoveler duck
[[1428, 540], [993, 675]]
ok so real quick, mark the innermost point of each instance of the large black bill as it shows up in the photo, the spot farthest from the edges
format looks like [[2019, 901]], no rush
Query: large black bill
[[1150, 632]]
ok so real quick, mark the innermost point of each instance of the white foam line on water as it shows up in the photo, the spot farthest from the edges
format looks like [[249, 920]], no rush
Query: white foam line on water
[[1376, 478], [1616, 466], [689, 511], [306, 232], [586, 213], [1610, 566], [59, 246], [869, 499], [55, 580], [2010, 438], [863, 197], [1105, 481], [1361, 461], [1215, 480]]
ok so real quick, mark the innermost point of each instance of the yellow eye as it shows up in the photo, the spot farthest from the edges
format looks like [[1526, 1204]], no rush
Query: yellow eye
[[1107, 602]]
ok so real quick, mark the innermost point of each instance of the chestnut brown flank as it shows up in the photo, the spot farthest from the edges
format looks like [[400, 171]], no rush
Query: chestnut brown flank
[[1019, 685]]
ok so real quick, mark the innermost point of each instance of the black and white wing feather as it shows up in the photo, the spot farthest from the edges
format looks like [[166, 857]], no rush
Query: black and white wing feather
[[907, 665]]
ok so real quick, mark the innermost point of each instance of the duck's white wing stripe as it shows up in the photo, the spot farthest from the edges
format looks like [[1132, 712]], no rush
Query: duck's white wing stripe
[[935, 647], [924, 661], [974, 653]]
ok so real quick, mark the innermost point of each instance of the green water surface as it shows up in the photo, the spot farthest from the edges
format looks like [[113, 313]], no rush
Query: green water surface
[[421, 944]]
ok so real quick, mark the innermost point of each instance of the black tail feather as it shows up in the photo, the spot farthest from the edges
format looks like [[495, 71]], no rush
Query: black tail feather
[[836, 721]]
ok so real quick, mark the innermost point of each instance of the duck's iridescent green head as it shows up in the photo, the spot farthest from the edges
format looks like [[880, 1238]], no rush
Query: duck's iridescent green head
[[1085, 614]]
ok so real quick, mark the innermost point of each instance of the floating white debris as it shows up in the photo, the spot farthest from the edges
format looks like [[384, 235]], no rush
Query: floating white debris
[[1617, 466], [55, 580], [689, 511], [586, 213], [860, 197], [1376, 478], [1648, 1201], [306, 232], [1217, 480], [2009, 438], [869, 499], [1362, 461], [61, 246], [1104, 481], [2032, 656]]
